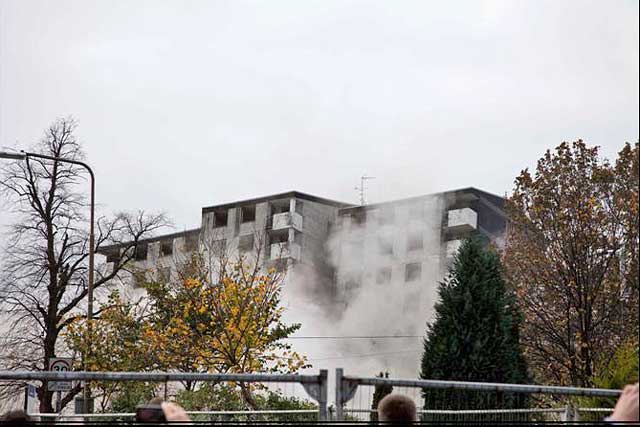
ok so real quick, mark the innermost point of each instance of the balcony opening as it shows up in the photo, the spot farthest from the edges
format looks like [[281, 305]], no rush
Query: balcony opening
[[279, 206], [413, 272], [278, 244], [248, 214], [220, 218], [278, 237]]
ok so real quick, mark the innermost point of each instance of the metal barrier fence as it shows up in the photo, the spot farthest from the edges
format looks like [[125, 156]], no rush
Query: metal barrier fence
[[213, 416], [462, 402], [469, 402], [316, 386]]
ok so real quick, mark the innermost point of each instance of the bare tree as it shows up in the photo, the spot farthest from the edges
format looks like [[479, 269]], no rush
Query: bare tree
[[43, 281]]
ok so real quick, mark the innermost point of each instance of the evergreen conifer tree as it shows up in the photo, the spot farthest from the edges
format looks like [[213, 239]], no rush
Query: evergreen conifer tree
[[474, 335]]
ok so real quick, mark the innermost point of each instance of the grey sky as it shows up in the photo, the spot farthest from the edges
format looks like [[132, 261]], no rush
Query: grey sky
[[184, 104]]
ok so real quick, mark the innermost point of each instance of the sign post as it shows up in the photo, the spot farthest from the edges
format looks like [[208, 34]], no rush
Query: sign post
[[59, 364], [30, 398]]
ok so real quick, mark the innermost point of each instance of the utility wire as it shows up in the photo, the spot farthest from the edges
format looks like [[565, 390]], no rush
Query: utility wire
[[365, 355], [352, 337]]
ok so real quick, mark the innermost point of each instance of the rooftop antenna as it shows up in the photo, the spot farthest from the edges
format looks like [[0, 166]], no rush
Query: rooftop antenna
[[361, 190]]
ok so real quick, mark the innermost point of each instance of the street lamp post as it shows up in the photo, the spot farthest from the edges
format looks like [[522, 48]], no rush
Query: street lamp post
[[22, 155]]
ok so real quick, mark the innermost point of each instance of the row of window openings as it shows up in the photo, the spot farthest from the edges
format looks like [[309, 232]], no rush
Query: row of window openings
[[412, 273], [245, 244], [166, 249], [220, 218], [385, 247], [163, 274], [387, 216]]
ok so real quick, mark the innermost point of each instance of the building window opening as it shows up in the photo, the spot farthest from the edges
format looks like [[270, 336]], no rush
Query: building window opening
[[280, 265], [385, 246], [245, 244], [359, 217], [411, 303], [220, 218], [415, 242], [164, 274], [352, 283], [386, 216], [139, 279], [279, 237], [141, 251], [113, 255], [248, 213], [416, 212], [413, 272], [219, 247], [191, 242], [166, 247]]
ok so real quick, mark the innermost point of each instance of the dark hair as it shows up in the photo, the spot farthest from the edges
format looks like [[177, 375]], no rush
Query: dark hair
[[397, 408]]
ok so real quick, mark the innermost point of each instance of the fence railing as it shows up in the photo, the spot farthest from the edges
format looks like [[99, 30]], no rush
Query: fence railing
[[354, 396], [470, 401], [316, 386]]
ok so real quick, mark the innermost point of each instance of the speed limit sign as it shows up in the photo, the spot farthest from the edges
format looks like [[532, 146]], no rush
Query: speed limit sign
[[60, 364]]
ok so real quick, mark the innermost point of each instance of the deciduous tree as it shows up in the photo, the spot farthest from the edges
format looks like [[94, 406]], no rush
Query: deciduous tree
[[572, 254], [43, 279]]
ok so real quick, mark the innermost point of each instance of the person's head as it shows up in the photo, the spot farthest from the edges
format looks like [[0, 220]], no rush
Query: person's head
[[627, 408], [16, 417], [397, 408], [156, 401], [158, 411]]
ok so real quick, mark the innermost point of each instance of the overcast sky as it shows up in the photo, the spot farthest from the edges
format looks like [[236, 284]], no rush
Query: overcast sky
[[185, 104]]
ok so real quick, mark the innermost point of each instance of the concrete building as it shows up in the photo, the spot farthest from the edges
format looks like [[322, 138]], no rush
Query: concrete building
[[351, 270], [332, 248], [408, 244], [288, 228]]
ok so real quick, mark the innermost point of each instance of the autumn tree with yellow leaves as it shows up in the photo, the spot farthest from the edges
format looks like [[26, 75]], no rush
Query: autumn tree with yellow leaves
[[572, 255], [116, 335], [232, 325]]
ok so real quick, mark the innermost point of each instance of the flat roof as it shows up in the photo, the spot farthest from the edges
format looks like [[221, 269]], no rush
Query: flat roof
[[466, 190], [288, 194], [104, 249]]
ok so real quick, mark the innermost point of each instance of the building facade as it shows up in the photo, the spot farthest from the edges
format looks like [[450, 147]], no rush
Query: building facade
[[407, 245], [331, 249]]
